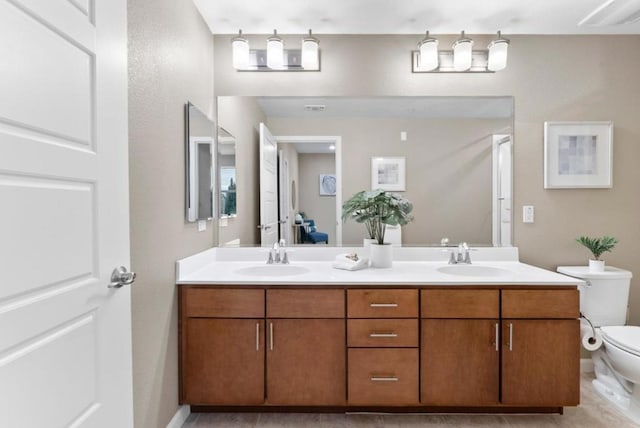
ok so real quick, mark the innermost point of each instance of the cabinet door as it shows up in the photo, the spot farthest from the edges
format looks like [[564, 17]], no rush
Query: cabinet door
[[223, 361], [459, 362], [541, 362], [306, 362]]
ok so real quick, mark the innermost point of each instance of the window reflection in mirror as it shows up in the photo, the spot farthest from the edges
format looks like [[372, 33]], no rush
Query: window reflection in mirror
[[227, 173], [199, 154]]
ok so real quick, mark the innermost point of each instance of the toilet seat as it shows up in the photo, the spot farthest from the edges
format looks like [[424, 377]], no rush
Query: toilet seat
[[625, 337]]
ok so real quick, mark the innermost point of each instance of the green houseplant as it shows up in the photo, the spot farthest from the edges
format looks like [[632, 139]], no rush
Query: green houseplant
[[597, 246], [376, 209]]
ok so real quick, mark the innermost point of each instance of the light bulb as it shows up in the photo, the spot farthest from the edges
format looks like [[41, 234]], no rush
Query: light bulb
[[240, 49], [462, 53], [310, 59], [275, 51]]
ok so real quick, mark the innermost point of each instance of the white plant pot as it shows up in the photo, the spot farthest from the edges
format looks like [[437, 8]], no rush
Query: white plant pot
[[381, 255], [596, 265], [366, 242]]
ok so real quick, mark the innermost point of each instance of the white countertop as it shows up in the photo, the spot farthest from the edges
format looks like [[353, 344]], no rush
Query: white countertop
[[411, 266]]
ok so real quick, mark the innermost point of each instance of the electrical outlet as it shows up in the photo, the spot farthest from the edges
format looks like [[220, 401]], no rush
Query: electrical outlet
[[202, 225], [403, 135], [528, 214]]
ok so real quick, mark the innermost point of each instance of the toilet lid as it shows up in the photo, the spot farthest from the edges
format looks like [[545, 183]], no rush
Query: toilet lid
[[626, 337]]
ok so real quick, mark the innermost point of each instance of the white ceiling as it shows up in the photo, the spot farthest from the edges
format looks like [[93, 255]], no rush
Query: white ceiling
[[415, 16], [426, 107]]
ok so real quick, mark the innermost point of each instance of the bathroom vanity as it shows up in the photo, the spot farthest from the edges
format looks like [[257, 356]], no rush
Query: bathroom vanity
[[494, 336]]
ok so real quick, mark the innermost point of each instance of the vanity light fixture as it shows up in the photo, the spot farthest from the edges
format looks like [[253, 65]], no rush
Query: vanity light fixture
[[240, 47], [498, 53], [462, 58], [462, 53], [275, 57], [428, 53], [310, 59], [275, 51]]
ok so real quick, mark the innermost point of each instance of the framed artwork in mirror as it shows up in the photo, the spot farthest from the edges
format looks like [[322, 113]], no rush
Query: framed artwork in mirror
[[327, 184], [388, 173], [578, 155]]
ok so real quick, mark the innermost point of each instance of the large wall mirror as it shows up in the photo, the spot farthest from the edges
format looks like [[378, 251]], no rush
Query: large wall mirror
[[199, 155], [227, 173], [457, 153]]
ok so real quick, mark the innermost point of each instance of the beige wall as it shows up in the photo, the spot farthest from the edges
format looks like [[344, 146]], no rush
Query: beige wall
[[551, 78], [241, 116], [448, 170], [170, 63], [322, 209]]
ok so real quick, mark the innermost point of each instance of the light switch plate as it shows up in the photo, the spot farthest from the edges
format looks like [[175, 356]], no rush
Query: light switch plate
[[528, 214]]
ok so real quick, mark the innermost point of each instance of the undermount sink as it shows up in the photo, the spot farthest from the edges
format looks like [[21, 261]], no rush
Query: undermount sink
[[272, 270], [473, 270]]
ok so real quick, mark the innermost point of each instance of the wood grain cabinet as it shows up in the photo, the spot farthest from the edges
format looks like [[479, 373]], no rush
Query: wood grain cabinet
[[382, 342], [306, 347], [540, 347], [457, 347], [460, 358], [222, 346]]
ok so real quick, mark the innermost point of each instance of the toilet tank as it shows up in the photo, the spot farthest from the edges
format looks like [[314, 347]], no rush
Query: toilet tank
[[604, 296]]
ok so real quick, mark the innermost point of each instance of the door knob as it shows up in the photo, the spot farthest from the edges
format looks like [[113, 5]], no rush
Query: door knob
[[120, 277]]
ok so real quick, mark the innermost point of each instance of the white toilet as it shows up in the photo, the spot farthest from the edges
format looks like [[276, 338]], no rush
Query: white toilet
[[603, 301]]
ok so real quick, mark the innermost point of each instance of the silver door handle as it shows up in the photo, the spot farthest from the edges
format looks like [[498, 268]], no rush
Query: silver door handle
[[497, 335], [271, 336], [120, 277], [383, 334], [257, 336], [384, 379], [510, 337], [383, 305]]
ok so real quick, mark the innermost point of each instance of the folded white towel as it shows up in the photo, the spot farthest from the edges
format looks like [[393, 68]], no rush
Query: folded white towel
[[350, 262]]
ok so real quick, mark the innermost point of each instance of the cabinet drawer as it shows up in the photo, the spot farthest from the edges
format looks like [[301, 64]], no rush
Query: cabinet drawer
[[382, 303], [222, 302], [540, 304], [460, 303], [383, 376], [401, 333], [305, 303]]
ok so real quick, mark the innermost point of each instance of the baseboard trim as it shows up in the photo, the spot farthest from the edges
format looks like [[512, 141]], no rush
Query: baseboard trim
[[586, 365], [180, 417]]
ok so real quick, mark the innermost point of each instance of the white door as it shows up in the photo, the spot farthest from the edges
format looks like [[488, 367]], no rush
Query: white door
[[268, 187], [284, 197], [65, 338]]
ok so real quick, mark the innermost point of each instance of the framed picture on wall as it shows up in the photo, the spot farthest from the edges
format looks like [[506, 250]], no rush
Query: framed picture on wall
[[388, 173], [578, 155], [328, 185]]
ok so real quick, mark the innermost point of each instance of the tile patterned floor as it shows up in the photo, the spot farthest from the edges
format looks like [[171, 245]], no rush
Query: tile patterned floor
[[592, 413]]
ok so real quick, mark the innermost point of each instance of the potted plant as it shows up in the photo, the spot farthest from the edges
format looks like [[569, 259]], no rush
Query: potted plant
[[597, 246], [376, 209]]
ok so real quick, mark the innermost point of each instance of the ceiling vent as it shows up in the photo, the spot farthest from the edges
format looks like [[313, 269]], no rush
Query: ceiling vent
[[613, 12], [315, 107]]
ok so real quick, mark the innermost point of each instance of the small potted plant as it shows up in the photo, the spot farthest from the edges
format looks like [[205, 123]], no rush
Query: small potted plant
[[377, 209], [597, 246]]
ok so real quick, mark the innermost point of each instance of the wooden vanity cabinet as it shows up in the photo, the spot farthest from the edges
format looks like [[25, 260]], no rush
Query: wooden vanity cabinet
[[540, 347], [382, 342], [460, 359], [222, 346], [306, 347]]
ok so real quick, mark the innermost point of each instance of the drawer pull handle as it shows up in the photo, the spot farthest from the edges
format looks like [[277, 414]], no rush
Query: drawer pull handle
[[384, 379], [257, 336], [383, 305], [510, 337], [497, 336], [271, 336], [383, 334]]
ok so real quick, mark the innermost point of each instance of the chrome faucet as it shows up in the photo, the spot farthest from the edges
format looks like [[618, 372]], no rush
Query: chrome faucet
[[278, 253], [463, 256]]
